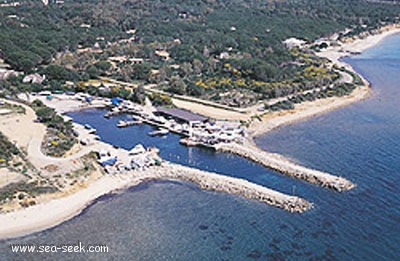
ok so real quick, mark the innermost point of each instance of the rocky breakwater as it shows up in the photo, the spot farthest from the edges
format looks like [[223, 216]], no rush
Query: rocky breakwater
[[216, 182], [283, 165]]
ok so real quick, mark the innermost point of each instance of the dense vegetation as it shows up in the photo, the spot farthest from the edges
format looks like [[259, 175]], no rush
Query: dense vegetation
[[59, 138], [7, 151], [32, 189], [228, 51]]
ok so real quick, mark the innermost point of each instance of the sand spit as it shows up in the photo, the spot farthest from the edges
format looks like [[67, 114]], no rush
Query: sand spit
[[285, 166]]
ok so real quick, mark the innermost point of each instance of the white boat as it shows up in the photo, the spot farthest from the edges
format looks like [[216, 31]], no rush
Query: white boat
[[126, 123], [138, 149], [159, 132], [90, 129]]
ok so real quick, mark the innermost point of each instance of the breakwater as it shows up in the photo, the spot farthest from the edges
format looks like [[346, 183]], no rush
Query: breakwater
[[285, 166], [212, 181]]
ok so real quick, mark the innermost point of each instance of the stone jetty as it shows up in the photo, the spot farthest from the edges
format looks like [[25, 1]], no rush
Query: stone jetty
[[212, 181], [285, 166]]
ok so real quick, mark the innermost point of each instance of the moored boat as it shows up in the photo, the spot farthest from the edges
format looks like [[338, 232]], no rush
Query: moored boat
[[159, 132]]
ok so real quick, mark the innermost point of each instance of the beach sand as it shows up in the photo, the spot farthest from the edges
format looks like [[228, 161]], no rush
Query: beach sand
[[36, 218], [305, 110]]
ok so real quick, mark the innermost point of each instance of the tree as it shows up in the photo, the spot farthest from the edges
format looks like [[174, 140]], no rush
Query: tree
[[45, 114], [103, 65], [139, 95], [186, 69], [92, 71], [177, 85], [197, 66], [212, 65], [56, 72], [141, 71]]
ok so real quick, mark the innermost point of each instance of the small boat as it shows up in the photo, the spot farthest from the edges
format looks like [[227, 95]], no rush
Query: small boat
[[90, 128], [138, 149], [159, 132], [188, 142], [126, 123]]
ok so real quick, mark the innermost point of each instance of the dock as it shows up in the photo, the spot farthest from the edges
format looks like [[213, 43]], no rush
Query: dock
[[285, 166], [206, 180]]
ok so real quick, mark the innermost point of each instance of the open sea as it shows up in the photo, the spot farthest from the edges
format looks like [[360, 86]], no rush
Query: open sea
[[168, 220]]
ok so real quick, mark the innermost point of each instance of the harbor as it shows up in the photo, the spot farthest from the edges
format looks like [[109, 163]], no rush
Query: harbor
[[141, 163], [145, 163], [229, 137]]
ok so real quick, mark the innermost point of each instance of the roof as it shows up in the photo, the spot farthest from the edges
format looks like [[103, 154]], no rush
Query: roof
[[116, 100], [162, 53], [33, 78], [182, 114], [293, 42]]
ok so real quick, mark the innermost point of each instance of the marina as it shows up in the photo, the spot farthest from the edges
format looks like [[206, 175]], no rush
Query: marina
[[145, 163], [232, 139], [197, 130]]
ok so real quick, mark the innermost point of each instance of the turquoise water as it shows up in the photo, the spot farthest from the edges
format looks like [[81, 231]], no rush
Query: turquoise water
[[177, 221]]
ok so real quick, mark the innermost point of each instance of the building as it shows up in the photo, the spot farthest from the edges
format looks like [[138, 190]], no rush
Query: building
[[34, 78], [5, 74], [294, 42], [163, 54], [182, 116]]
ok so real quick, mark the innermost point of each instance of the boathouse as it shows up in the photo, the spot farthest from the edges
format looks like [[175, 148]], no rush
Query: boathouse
[[182, 116]]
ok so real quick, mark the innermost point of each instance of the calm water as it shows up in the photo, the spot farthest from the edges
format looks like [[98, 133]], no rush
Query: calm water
[[177, 221]]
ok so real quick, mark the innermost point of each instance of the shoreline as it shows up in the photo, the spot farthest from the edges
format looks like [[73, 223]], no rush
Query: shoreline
[[305, 111], [318, 107], [20, 223]]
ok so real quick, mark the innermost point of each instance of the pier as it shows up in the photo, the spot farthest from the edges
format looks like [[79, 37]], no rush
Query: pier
[[283, 165], [146, 168], [212, 181]]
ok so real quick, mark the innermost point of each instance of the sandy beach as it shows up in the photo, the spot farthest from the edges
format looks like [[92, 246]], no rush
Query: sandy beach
[[334, 53], [306, 110], [37, 218]]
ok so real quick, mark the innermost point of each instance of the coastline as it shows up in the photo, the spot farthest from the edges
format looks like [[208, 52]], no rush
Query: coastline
[[20, 223], [308, 110], [305, 111]]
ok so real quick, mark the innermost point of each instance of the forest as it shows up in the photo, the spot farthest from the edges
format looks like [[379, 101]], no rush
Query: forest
[[229, 51]]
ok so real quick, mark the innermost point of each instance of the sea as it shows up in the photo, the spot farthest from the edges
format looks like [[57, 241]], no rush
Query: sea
[[173, 220]]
